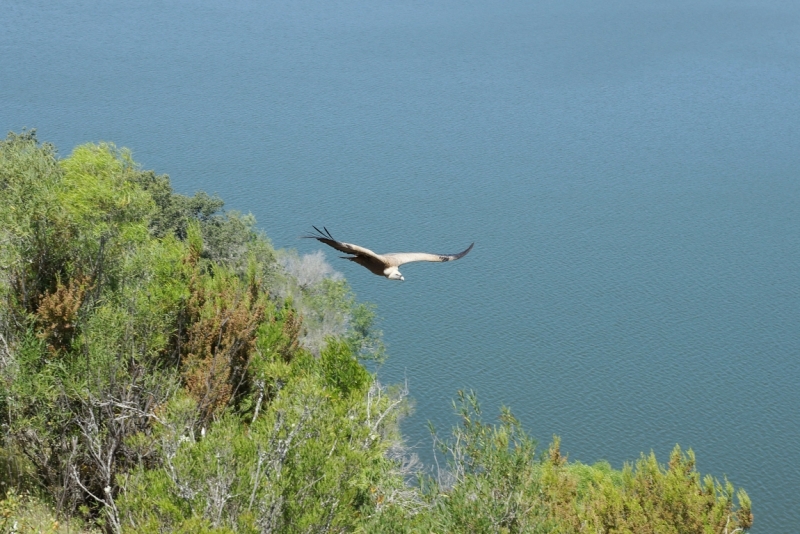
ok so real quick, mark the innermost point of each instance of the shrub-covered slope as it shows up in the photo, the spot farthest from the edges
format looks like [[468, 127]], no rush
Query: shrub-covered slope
[[164, 369]]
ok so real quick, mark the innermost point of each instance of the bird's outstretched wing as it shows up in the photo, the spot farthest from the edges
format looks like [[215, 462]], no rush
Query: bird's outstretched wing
[[399, 258], [348, 248]]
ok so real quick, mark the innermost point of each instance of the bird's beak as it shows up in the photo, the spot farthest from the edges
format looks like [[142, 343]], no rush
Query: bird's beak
[[402, 279]]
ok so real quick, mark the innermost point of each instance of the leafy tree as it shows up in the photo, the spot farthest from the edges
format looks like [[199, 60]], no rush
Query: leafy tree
[[163, 368]]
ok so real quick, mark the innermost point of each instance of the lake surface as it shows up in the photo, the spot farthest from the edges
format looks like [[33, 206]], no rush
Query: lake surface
[[629, 172]]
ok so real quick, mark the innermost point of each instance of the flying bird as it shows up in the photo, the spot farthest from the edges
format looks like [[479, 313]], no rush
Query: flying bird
[[381, 264]]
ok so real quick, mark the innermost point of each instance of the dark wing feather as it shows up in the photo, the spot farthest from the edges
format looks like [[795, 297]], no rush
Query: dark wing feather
[[349, 248]]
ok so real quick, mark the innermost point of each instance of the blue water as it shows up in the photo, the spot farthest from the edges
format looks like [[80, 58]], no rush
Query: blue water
[[627, 169]]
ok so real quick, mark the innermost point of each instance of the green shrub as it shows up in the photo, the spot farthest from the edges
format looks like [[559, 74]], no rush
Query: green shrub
[[163, 369]]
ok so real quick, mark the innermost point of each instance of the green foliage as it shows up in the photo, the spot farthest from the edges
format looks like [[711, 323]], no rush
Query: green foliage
[[230, 238], [328, 306], [123, 299], [341, 369], [34, 248], [306, 462], [669, 499], [163, 369], [100, 193], [26, 514], [494, 482]]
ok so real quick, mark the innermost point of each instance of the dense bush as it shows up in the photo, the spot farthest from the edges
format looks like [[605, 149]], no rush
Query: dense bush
[[164, 369]]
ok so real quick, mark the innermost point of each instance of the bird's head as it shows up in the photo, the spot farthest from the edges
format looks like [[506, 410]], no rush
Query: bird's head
[[394, 274]]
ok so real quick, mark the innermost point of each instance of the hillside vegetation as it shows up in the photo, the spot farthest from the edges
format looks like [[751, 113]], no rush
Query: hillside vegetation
[[164, 369]]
